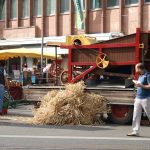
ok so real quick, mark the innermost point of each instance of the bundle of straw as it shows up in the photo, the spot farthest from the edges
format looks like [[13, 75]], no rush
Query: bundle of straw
[[70, 106]]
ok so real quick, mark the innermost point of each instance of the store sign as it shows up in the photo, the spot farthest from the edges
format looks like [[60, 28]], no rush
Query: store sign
[[79, 18]]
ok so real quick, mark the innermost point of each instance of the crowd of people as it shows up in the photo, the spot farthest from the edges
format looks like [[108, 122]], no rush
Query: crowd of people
[[34, 74]]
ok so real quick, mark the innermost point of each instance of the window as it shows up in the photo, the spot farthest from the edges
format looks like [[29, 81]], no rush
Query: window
[[112, 3], [2, 9], [13, 10], [50, 6], [37, 7], [64, 6], [94, 4], [81, 4], [25, 8], [147, 1], [130, 2], [79, 15]]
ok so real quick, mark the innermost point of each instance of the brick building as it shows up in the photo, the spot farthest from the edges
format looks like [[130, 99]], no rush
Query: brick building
[[34, 18]]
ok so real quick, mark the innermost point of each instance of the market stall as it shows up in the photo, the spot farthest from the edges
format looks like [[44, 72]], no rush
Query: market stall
[[20, 75], [20, 52]]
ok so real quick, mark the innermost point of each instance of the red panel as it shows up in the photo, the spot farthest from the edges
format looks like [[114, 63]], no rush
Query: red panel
[[83, 74], [123, 63], [100, 46], [137, 52], [16, 92], [83, 64]]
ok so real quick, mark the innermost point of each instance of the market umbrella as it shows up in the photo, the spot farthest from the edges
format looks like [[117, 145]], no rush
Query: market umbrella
[[21, 52]]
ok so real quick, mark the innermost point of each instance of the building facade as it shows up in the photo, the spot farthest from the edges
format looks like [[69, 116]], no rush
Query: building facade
[[36, 18]]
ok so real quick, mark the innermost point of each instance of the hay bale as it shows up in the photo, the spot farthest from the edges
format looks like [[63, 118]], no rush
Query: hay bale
[[70, 106]]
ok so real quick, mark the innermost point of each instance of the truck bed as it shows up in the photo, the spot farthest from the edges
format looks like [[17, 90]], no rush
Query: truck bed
[[115, 94]]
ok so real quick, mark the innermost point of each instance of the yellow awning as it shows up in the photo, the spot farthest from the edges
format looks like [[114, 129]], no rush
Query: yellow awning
[[21, 52]]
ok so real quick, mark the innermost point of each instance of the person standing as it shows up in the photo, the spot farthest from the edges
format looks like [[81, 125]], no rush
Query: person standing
[[142, 100], [47, 70], [25, 67], [2, 84]]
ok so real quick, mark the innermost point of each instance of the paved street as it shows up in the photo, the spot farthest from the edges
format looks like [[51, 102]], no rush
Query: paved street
[[108, 137], [16, 135], [79, 61]]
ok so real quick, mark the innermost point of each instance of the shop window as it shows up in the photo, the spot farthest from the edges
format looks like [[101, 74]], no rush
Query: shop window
[[2, 9], [147, 1], [112, 3], [64, 6], [13, 9], [50, 7], [37, 7], [95, 4], [25, 8], [130, 2]]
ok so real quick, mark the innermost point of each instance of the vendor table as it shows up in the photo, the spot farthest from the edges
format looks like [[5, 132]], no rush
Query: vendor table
[[16, 92]]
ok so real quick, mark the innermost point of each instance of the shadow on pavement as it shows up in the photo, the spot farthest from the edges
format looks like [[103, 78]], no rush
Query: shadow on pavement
[[67, 127]]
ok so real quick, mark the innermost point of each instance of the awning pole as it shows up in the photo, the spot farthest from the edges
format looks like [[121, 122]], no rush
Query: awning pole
[[21, 63], [56, 64], [8, 66], [21, 70], [42, 54], [46, 73]]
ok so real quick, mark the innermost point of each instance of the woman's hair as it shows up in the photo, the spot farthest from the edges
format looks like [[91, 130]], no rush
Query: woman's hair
[[25, 65], [2, 63], [141, 66], [49, 61]]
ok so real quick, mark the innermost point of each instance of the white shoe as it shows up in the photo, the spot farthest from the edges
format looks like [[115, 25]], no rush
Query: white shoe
[[133, 134]]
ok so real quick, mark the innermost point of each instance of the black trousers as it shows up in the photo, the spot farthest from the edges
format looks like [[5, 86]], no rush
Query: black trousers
[[44, 78]]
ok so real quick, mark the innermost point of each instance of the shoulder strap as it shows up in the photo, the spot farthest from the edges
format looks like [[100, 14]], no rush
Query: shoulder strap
[[148, 73], [1, 71]]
